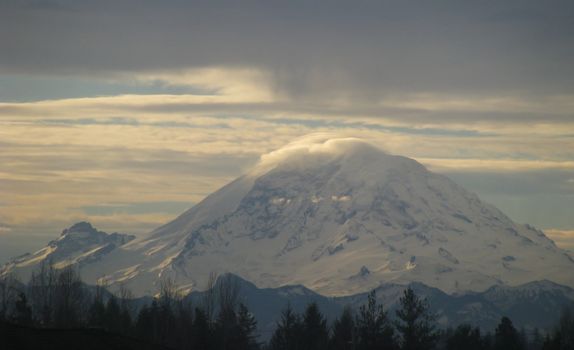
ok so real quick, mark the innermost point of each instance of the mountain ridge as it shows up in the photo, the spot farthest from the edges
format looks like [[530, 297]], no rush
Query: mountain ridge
[[340, 217]]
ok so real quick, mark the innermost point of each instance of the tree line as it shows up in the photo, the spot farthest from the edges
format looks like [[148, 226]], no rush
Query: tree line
[[57, 298]]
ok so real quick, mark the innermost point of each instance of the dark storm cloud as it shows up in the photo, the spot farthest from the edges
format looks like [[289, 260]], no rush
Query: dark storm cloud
[[310, 48]]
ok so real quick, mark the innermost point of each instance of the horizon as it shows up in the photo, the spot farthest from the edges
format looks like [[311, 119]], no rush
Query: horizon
[[139, 112]]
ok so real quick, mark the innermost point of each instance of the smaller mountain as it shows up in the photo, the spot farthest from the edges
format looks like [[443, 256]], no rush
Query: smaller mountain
[[531, 305], [78, 245]]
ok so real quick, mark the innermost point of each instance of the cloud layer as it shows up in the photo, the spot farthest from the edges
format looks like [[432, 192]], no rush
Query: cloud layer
[[145, 106], [309, 49]]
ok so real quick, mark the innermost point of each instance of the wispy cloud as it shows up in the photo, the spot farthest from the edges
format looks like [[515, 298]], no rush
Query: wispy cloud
[[4, 228], [563, 238], [169, 110], [494, 165]]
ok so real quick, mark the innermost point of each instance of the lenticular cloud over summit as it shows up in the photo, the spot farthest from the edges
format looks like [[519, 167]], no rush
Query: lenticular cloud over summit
[[307, 150], [337, 215]]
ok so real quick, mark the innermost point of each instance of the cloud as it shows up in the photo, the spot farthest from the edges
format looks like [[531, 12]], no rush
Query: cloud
[[310, 51], [165, 102], [494, 165], [563, 238], [110, 209], [313, 148], [4, 228]]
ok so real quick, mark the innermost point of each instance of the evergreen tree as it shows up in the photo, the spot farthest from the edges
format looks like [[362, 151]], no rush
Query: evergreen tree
[[537, 340], [125, 322], [566, 328], [287, 335], [166, 323], [226, 328], [315, 331], [112, 315], [465, 337], [126, 310], [22, 311], [247, 328], [154, 316], [373, 329], [506, 337], [551, 342], [145, 324], [343, 327], [184, 325], [563, 335], [415, 323], [202, 331], [97, 312]]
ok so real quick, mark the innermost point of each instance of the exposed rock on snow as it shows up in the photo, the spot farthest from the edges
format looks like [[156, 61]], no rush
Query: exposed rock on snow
[[320, 209]]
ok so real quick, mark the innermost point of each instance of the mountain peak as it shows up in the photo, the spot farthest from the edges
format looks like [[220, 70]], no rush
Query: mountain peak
[[82, 226], [321, 212], [80, 244]]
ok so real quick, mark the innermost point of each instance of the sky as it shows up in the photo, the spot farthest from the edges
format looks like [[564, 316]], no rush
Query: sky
[[126, 113]]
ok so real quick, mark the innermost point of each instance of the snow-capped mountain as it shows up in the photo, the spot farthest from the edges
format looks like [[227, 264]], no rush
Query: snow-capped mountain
[[340, 217], [78, 245]]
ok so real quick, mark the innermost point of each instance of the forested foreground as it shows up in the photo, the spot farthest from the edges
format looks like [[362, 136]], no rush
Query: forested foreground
[[57, 302]]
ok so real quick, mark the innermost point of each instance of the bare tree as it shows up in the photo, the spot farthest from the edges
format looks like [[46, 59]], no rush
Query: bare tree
[[70, 298], [126, 296], [209, 297], [41, 291], [9, 291], [168, 292], [227, 294], [227, 290]]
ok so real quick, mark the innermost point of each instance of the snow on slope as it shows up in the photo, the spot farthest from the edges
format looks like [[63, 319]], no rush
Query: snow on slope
[[339, 216], [78, 245]]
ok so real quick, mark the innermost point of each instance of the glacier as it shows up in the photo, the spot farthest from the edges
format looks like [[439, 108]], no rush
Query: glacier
[[339, 216]]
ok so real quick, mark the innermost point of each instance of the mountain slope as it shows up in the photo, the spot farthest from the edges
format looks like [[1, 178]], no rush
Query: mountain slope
[[78, 245], [530, 306], [340, 217]]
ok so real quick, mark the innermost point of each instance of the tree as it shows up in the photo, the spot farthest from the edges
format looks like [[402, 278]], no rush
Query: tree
[[415, 323], [144, 324], [536, 340], [465, 337], [209, 297], [227, 292], [202, 330], [342, 338], [506, 337], [125, 297], [22, 311], [8, 294], [315, 331], [112, 316], [41, 288], [373, 329], [566, 328], [97, 311], [563, 335], [184, 324], [287, 335], [69, 298], [247, 327]]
